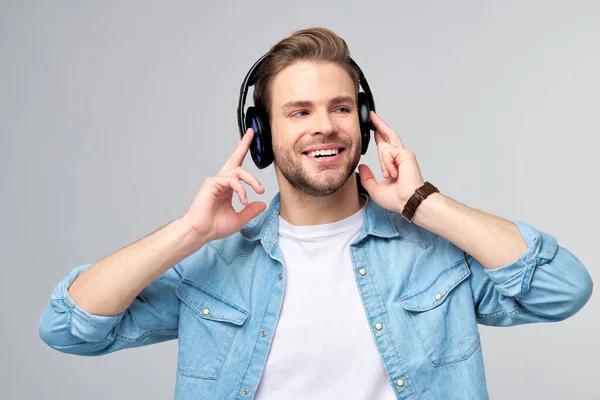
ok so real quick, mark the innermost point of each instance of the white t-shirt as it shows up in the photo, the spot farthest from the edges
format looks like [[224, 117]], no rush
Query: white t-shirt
[[322, 348]]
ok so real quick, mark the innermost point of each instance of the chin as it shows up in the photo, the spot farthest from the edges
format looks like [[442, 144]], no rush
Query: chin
[[321, 181], [327, 182]]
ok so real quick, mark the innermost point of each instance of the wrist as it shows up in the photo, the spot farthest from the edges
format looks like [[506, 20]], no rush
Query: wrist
[[190, 238], [420, 194], [428, 210]]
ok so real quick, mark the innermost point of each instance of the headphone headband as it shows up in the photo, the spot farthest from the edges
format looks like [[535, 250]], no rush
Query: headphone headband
[[249, 80]]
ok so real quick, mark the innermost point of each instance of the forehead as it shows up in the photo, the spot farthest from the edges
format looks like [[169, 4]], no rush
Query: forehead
[[312, 81]]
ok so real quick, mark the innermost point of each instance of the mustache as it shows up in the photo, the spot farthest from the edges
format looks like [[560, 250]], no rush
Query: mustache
[[342, 143]]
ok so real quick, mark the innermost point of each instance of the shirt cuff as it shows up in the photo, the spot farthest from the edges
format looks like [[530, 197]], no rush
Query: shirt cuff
[[515, 278], [88, 327]]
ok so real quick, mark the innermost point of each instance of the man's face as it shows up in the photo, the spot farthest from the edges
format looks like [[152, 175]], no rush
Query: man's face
[[313, 105]]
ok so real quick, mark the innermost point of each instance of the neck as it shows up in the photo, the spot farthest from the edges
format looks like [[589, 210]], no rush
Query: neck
[[300, 209]]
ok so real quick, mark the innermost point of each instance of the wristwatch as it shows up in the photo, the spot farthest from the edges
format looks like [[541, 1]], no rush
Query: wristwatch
[[420, 194]]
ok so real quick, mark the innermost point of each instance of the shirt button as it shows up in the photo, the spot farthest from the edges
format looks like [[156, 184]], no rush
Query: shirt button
[[245, 390], [438, 296], [400, 382], [362, 271], [378, 326], [205, 311], [263, 333], [280, 276]]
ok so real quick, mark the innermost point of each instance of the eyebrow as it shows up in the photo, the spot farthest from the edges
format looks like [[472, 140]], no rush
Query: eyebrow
[[306, 103]]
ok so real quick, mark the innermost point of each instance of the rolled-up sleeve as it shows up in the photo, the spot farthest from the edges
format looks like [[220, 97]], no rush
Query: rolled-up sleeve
[[546, 283], [152, 317]]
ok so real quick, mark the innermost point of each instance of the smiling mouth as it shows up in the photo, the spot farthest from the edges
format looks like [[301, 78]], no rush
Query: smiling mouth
[[324, 153]]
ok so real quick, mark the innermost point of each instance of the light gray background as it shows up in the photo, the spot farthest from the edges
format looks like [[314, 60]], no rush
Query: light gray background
[[112, 114]]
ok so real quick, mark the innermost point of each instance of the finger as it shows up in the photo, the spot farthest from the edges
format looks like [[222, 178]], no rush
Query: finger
[[388, 133], [384, 170], [389, 163], [387, 153], [367, 179], [379, 137], [247, 177], [236, 159], [229, 182], [251, 211]]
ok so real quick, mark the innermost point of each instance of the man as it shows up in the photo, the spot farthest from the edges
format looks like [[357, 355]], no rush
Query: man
[[339, 289]]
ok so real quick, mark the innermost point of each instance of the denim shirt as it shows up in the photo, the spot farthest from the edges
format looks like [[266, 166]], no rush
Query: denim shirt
[[423, 298]]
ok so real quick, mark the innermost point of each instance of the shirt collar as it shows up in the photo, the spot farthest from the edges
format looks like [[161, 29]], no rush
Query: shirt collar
[[265, 227]]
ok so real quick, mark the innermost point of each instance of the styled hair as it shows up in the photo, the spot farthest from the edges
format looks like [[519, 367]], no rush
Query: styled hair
[[312, 44]]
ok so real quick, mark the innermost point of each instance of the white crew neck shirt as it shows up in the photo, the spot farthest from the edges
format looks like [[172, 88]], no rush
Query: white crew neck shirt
[[322, 348]]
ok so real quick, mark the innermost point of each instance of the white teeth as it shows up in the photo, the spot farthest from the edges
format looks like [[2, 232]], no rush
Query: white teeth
[[329, 152]]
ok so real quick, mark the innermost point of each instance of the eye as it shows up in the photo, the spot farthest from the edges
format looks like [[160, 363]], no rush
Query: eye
[[303, 111], [347, 110]]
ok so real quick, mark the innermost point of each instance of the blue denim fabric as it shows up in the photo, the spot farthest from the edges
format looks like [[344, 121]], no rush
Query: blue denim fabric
[[425, 295]]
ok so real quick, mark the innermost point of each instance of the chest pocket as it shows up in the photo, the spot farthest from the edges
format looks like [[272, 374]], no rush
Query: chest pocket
[[443, 315], [208, 324]]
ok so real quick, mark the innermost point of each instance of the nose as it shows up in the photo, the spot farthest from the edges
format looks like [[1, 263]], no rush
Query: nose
[[325, 124]]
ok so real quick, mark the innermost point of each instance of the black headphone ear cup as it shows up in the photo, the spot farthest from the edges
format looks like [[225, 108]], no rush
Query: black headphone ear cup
[[364, 121], [252, 121], [260, 148]]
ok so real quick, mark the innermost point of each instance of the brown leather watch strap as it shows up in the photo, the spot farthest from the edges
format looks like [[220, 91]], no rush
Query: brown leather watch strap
[[420, 194]]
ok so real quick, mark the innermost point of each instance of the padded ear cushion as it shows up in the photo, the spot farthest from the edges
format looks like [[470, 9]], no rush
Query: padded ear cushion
[[260, 148], [364, 120]]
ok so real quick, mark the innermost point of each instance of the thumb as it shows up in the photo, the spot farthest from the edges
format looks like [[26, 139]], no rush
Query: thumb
[[367, 179], [251, 211]]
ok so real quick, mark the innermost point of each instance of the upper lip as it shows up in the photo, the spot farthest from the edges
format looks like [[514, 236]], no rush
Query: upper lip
[[325, 147]]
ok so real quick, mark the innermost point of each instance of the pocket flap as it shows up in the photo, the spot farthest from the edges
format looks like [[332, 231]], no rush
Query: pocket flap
[[436, 292], [209, 305]]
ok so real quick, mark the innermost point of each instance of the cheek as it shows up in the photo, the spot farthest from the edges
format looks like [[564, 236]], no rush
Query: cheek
[[289, 143], [352, 128], [276, 141], [282, 148]]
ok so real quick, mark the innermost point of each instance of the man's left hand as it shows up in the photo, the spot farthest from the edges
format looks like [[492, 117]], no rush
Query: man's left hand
[[401, 173]]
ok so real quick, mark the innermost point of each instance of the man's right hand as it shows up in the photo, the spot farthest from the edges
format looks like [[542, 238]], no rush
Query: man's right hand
[[211, 215]]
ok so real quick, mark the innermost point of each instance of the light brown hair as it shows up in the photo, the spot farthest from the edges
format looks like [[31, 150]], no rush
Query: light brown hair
[[312, 44]]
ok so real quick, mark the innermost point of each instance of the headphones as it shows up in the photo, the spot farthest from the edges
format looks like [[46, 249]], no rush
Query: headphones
[[256, 117]]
